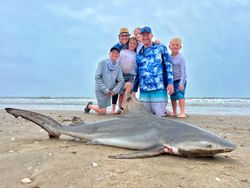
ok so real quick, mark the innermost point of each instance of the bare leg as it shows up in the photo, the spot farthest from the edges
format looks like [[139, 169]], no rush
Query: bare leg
[[128, 89], [113, 108], [97, 109], [174, 107], [182, 108]]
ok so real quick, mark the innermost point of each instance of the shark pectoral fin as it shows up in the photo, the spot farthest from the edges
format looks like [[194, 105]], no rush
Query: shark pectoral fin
[[140, 154]]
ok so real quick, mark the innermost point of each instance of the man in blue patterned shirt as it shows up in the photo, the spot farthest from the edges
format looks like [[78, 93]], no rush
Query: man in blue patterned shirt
[[153, 74]]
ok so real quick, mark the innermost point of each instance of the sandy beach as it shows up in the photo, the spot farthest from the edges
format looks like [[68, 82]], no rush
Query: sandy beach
[[27, 152]]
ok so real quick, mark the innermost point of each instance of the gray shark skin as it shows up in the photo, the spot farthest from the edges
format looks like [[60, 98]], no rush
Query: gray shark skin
[[137, 130]]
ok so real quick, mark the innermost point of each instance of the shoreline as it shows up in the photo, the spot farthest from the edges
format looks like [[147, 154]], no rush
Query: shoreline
[[190, 110], [68, 163], [194, 106]]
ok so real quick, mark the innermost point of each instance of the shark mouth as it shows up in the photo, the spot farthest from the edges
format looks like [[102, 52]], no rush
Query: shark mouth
[[202, 152]]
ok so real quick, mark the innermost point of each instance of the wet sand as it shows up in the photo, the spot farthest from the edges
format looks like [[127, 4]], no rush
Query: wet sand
[[27, 152]]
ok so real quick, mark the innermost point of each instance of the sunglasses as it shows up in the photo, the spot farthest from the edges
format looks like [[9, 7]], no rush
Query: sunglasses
[[124, 35]]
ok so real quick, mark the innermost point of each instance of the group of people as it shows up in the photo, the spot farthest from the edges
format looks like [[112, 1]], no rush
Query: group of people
[[139, 62]]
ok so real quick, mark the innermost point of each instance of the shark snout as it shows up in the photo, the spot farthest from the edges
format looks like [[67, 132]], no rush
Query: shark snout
[[205, 148], [230, 147]]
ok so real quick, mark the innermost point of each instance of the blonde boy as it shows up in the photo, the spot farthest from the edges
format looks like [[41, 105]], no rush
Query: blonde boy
[[180, 77]]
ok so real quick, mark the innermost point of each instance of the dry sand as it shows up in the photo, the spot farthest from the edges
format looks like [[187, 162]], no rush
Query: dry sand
[[26, 152]]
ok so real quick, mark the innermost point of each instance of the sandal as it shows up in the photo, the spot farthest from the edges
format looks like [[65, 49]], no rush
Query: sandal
[[87, 109]]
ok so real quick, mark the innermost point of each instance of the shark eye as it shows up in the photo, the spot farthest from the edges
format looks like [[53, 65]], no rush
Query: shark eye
[[209, 145]]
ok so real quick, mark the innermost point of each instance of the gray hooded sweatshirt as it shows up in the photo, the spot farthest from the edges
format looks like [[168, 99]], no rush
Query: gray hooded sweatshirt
[[108, 77]]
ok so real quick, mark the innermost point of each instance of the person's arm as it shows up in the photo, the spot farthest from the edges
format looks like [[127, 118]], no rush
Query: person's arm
[[136, 79], [169, 72], [120, 82], [168, 65], [98, 78], [157, 41], [183, 71]]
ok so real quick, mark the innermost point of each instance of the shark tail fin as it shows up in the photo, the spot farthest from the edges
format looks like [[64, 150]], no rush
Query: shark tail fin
[[45, 122]]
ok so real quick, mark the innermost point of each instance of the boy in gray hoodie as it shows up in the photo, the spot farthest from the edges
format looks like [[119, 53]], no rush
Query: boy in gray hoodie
[[109, 82]]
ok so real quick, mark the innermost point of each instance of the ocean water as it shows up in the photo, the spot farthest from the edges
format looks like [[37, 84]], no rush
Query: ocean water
[[203, 106]]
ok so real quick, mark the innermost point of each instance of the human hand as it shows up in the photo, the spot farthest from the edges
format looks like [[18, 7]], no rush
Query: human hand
[[112, 93], [133, 94], [170, 89], [157, 41], [181, 87]]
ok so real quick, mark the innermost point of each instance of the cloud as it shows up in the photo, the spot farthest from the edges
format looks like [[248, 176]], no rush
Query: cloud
[[75, 14], [119, 3], [96, 15], [63, 41]]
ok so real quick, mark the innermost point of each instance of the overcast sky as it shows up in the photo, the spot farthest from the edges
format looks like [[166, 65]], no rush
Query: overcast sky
[[52, 48]]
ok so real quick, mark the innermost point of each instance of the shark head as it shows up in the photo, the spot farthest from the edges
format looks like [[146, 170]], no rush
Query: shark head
[[131, 104], [207, 145]]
